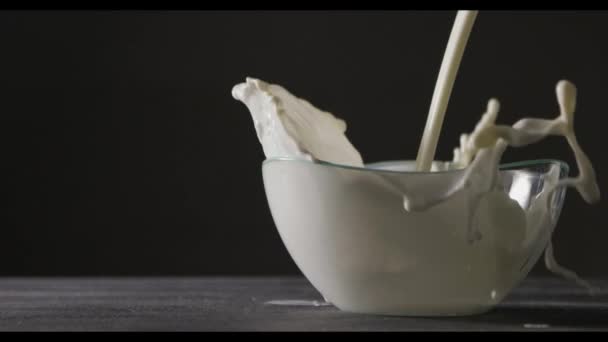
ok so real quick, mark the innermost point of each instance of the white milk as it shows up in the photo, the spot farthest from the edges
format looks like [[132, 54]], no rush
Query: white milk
[[443, 87], [290, 127]]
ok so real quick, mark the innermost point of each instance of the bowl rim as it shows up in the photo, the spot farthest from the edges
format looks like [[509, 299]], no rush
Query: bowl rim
[[366, 168]]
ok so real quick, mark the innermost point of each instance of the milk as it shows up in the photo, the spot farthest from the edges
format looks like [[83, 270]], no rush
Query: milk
[[443, 87], [290, 127]]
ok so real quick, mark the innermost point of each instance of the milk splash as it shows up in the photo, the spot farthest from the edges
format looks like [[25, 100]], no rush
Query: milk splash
[[480, 152], [289, 127]]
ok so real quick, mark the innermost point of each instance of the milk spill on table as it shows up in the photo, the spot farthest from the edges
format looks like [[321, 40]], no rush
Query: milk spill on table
[[290, 127]]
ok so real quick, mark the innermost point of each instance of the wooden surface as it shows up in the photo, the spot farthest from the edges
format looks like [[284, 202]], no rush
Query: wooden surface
[[242, 304]]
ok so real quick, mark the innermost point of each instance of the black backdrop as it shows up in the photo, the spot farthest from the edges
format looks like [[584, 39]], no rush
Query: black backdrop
[[123, 152]]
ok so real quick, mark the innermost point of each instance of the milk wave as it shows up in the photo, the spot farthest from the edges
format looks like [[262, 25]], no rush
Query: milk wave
[[290, 127]]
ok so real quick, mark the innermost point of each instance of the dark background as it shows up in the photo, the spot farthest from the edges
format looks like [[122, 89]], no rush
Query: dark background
[[123, 152]]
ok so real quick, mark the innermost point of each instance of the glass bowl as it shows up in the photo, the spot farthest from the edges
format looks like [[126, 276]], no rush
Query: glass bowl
[[348, 232]]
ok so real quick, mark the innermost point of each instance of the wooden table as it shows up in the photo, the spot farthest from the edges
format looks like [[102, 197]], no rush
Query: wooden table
[[245, 304]]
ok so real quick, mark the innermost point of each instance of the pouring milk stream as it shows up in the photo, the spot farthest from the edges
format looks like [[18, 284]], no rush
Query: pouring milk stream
[[288, 126]]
